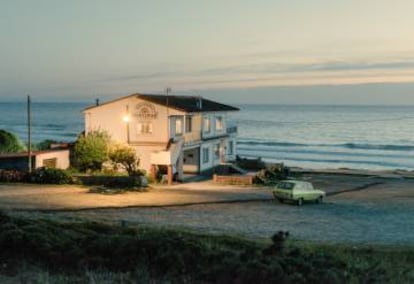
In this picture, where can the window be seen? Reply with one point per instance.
(178, 126)
(206, 154)
(217, 151)
(50, 163)
(219, 123)
(230, 149)
(286, 185)
(145, 128)
(206, 124)
(188, 124)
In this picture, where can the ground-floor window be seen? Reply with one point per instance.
(230, 150)
(206, 155)
(217, 151)
(50, 163)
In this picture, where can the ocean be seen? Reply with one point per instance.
(358, 137)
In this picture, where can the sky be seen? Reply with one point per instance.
(261, 51)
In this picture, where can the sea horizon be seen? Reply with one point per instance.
(373, 137)
(93, 102)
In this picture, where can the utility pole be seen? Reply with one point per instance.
(167, 92)
(29, 134)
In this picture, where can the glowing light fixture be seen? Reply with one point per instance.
(126, 119)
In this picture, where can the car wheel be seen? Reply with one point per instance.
(319, 200)
(300, 201)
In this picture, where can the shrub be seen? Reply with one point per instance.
(278, 243)
(45, 144)
(91, 151)
(13, 176)
(10, 143)
(123, 182)
(125, 156)
(183, 257)
(50, 176)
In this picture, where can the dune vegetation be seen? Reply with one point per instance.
(87, 252)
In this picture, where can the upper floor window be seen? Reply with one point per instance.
(188, 124)
(219, 123)
(206, 126)
(178, 126)
(145, 128)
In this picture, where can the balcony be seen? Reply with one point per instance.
(231, 130)
(194, 136)
(168, 156)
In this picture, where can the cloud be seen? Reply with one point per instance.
(143, 76)
(280, 73)
(350, 66)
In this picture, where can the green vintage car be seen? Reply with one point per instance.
(297, 191)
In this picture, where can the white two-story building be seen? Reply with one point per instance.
(185, 134)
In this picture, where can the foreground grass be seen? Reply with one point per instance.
(44, 251)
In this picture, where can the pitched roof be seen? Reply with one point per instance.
(188, 103)
(182, 103)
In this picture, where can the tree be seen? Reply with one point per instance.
(91, 151)
(126, 157)
(10, 143)
(45, 144)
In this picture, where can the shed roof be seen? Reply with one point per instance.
(33, 153)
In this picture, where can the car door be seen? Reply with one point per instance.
(299, 191)
(307, 191)
(311, 193)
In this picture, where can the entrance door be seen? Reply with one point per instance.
(191, 160)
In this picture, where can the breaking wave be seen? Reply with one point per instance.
(383, 147)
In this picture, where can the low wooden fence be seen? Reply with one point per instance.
(233, 179)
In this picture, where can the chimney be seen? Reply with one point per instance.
(200, 102)
(97, 102)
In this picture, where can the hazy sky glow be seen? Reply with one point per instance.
(77, 50)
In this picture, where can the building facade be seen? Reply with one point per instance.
(52, 158)
(182, 133)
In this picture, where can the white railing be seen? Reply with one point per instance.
(194, 136)
(167, 157)
(161, 158)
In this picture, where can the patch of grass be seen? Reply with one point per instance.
(87, 252)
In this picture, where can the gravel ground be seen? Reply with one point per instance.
(380, 214)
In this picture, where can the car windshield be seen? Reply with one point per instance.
(286, 185)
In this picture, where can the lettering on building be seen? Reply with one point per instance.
(145, 111)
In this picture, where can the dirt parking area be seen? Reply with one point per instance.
(53, 197)
(379, 211)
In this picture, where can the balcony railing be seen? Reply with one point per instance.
(169, 156)
(192, 136)
(231, 129)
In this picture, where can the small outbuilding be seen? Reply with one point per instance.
(53, 158)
